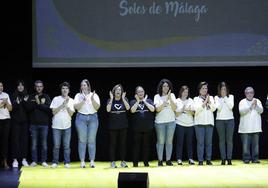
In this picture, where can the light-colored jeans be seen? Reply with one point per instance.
(87, 127)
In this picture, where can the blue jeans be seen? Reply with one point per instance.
(164, 133)
(39, 135)
(87, 127)
(204, 140)
(189, 133)
(250, 140)
(225, 129)
(65, 136)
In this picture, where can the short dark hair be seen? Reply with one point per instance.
(161, 83)
(182, 89)
(117, 86)
(220, 85)
(38, 82)
(65, 84)
(16, 90)
(200, 85)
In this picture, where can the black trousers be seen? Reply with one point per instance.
(115, 135)
(142, 142)
(19, 137)
(4, 136)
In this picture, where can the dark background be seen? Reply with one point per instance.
(17, 59)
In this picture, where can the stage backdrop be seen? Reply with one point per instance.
(144, 33)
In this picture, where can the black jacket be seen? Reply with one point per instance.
(40, 114)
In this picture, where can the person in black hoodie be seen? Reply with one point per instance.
(19, 125)
(40, 115)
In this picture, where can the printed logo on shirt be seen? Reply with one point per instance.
(118, 106)
(141, 106)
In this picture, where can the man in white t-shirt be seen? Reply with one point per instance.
(250, 110)
(63, 108)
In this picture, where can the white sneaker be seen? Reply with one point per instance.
(15, 164)
(44, 164)
(54, 165)
(113, 165)
(24, 162)
(123, 164)
(33, 164)
(82, 164)
(92, 165)
(67, 165)
(179, 161)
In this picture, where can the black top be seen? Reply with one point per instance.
(143, 119)
(118, 115)
(40, 114)
(19, 111)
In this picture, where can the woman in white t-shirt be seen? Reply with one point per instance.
(62, 108)
(250, 110)
(225, 122)
(87, 104)
(204, 107)
(184, 124)
(5, 108)
(165, 104)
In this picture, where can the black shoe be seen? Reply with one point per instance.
(200, 163)
(160, 163)
(223, 162)
(229, 162)
(246, 161)
(146, 164)
(169, 163)
(256, 161)
(209, 163)
(135, 164)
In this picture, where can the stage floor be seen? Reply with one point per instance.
(237, 175)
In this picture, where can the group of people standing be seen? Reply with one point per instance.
(183, 117)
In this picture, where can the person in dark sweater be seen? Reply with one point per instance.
(19, 125)
(40, 115)
(142, 110)
(117, 107)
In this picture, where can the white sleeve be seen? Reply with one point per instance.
(197, 105)
(243, 107)
(54, 103)
(71, 104)
(229, 101)
(259, 107)
(8, 100)
(97, 99)
(157, 101)
(212, 104)
(179, 105)
(77, 98)
(218, 103)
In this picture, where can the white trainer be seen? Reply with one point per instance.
(33, 164)
(92, 165)
(54, 165)
(67, 165)
(83, 164)
(15, 164)
(24, 162)
(44, 164)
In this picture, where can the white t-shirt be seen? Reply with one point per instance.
(87, 107)
(224, 107)
(62, 119)
(4, 113)
(167, 114)
(185, 118)
(203, 115)
(250, 120)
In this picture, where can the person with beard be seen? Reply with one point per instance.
(19, 125)
(40, 115)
